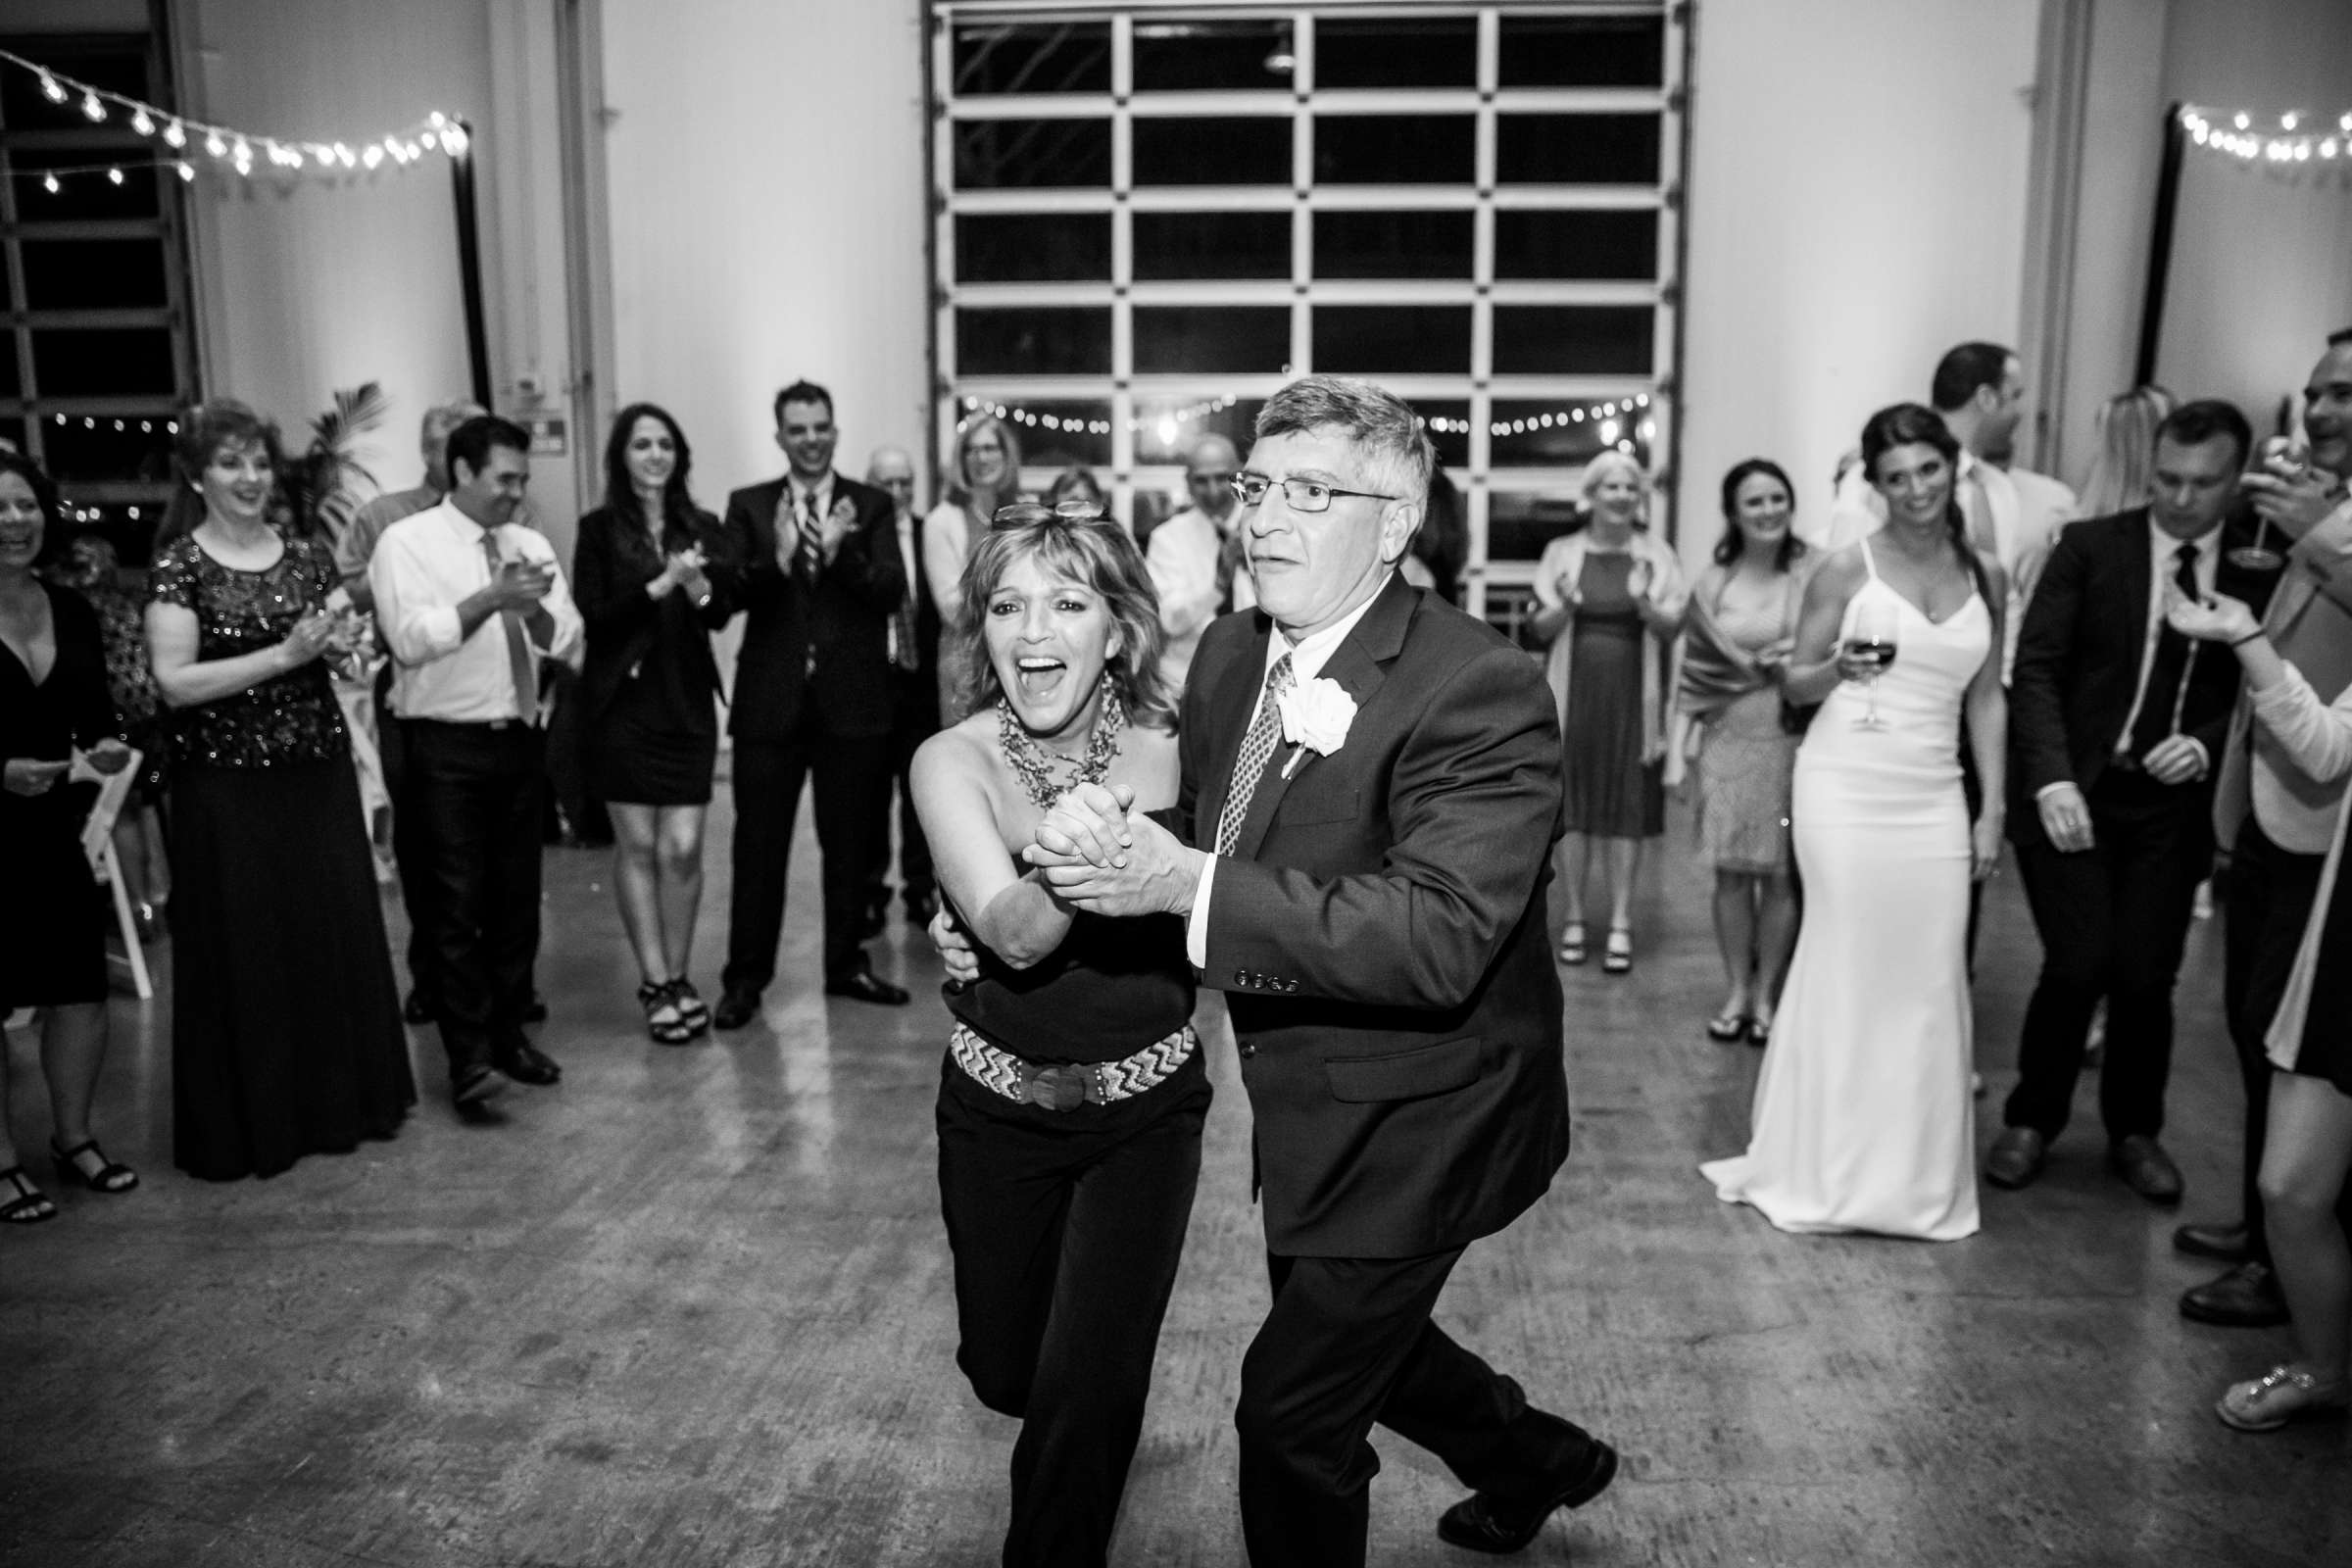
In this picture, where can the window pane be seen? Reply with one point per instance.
(1161, 437)
(1031, 153)
(1379, 340)
(1056, 436)
(1558, 433)
(1172, 339)
(1033, 247)
(1033, 57)
(107, 448)
(1211, 245)
(1520, 524)
(1221, 56)
(1398, 52)
(104, 362)
(82, 195)
(1447, 424)
(1213, 152)
(1576, 149)
(1396, 149)
(1573, 339)
(70, 274)
(1610, 245)
(1033, 342)
(1393, 244)
(1583, 51)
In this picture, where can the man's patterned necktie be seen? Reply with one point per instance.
(1257, 748)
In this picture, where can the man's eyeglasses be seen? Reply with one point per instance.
(1303, 495)
(1021, 513)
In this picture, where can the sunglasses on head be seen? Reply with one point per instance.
(1021, 513)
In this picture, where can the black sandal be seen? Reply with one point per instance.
(111, 1176)
(30, 1206)
(693, 1010)
(662, 1020)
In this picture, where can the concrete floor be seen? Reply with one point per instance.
(692, 1308)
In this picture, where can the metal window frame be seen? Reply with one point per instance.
(168, 229)
(1476, 385)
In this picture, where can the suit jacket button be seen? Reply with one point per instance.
(1241, 977)
(1247, 1051)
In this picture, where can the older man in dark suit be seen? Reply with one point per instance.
(1361, 850)
(819, 574)
(2116, 724)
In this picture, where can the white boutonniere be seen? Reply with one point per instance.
(1315, 719)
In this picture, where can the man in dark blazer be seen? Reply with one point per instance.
(1361, 850)
(2115, 726)
(818, 575)
(913, 704)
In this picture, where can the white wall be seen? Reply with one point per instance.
(1856, 207)
(766, 203)
(315, 286)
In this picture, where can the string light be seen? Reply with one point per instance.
(1605, 414)
(98, 104)
(2295, 141)
(1169, 423)
(975, 407)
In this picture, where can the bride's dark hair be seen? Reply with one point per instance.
(1916, 424)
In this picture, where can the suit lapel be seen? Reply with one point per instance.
(1358, 665)
(2133, 541)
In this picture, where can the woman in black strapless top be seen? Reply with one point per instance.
(1072, 1096)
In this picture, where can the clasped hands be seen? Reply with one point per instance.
(1096, 853)
(31, 776)
(687, 569)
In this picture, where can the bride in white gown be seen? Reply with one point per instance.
(1863, 1118)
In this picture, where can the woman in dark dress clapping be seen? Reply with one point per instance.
(53, 701)
(647, 584)
(286, 1037)
(1072, 1096)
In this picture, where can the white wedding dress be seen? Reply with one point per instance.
(1863, 1117)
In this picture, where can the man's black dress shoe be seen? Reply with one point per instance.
(863, 985)
(415, 1009)
(2246, 1298)
(736, 1008)
(2015, 1157)
(477, 1083)
(481, 1113)
(2144, 1167)
(528, 1064)
(1482, 1522)
(2224, 1243)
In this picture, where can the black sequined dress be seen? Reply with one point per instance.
(286, 1037)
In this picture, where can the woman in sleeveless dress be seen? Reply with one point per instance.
(1863, 1119)
(1737, 632)
(1072, 1096)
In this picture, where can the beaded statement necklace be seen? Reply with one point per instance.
(1035, 766)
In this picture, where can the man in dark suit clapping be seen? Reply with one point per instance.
(1361, 850)
(914, 704)
(2116, 723)
(819, 575)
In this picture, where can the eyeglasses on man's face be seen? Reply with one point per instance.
(1303, 495)
(1021, 513)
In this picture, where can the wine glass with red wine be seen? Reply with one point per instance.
(1871, 643)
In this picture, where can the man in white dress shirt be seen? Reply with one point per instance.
(1191, 557)
(469, 602)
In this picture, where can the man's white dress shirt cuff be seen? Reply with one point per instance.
(1196, 924)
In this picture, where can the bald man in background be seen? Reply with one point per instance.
(914, 702)
(1192, 561)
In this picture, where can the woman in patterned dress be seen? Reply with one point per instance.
(286, 1037)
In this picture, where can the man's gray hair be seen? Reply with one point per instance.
(1397, 457)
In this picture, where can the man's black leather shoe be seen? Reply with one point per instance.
(415, 1009)
(1485, 1523)
(735, 1010)
(477, 1083)
(481, 1113)
(528, 1064)
(863, 985)
(2224, 1243)
(2246, 1298)
(2147, 1168)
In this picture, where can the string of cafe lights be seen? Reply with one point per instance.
(2291, 138)
(183, 139)
(1168, 424)
(79, 514)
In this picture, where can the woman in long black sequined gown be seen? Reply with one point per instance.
(1072, 1096)
(286, 1037)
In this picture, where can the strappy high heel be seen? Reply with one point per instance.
(693, 1010)
(30, 1206)
(111, 1176)
(663, 1021)
(1572, 942)
(1617, 956)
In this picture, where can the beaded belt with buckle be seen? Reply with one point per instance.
(1065, 1084)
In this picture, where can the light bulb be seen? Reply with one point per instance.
(2243, 120)
(215, 146)
(1167, 432)
(114, 176)
(91, 108)
(140, 123)
(431, 142)
(187, 171)
(51, 89)
(173, 136)
(454, 140)
(49, 184)
(374, 156)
